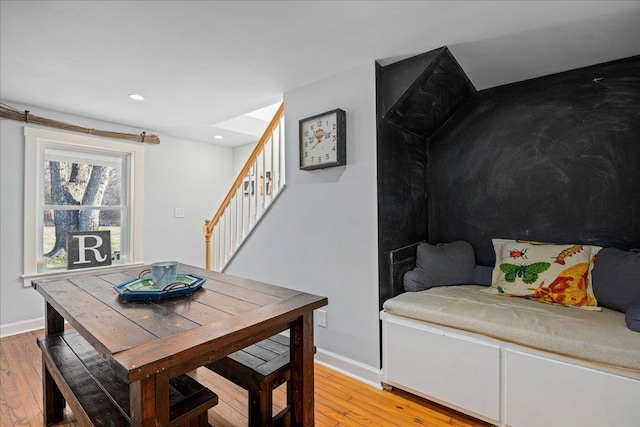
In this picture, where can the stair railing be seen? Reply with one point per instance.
(257, 185)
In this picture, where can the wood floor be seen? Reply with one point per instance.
(339, 400)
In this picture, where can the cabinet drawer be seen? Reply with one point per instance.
(541, 391)
(449, 368)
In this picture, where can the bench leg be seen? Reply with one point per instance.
(201, 420)
(286, 419)
(283, 418)
(260, 406)
(52, 400)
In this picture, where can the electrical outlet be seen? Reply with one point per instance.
(178, 213)
(322, 318)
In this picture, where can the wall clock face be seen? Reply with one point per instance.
(323, 140)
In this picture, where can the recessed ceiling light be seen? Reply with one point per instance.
(136, 97)
(218, 137)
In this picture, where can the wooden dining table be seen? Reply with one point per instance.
(149, 343)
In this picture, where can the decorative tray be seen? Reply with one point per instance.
(145, 290)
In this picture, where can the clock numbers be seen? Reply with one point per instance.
(321, 140)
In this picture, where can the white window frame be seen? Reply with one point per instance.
(35, 139)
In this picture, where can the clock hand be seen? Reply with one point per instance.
(314, 146)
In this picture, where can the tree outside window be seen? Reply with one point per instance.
(83, 191)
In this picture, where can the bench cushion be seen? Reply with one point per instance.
(597, 336)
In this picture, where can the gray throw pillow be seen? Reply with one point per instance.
(482, 275)
(442, 264)
(616, 278)
(632, 316)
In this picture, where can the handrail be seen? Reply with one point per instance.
(245, 169)
(209, 224)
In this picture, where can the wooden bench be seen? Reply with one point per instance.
(97, 396)
(260, 369)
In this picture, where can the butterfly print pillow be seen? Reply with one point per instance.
(546, 272)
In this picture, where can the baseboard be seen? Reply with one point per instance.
(21, 327)
(349, 367)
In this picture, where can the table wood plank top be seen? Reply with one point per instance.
(225, 315)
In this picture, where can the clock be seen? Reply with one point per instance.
(323, 142)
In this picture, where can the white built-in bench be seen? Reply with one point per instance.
(511, 361)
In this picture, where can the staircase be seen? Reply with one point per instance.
(258, 184)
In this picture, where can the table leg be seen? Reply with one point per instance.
(54, 322)
(52, 400)
(302, 371)
(149, 401)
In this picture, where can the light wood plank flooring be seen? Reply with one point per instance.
(340, 400)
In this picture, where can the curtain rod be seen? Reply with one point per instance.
(8, 112)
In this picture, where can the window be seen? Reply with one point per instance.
(79, 183)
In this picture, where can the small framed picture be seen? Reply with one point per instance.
(265, 184)
(245, 187)
(248, 187)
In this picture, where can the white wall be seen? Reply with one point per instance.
(240, 156)
(320, 236)
(178, 173)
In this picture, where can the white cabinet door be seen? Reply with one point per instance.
(449, 368)
(546, 392)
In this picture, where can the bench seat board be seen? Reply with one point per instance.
(97, 396)
(260, 362)
(89, 403)
(260, 368)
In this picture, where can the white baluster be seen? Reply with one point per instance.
(255, 198)
(263, 183)
(272, 143)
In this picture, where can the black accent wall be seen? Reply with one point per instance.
(554, 159)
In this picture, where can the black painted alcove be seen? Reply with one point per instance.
(555, 158)
(414, 98)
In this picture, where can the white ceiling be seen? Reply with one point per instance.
(202, 63)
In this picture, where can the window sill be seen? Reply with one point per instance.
(28, 277)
